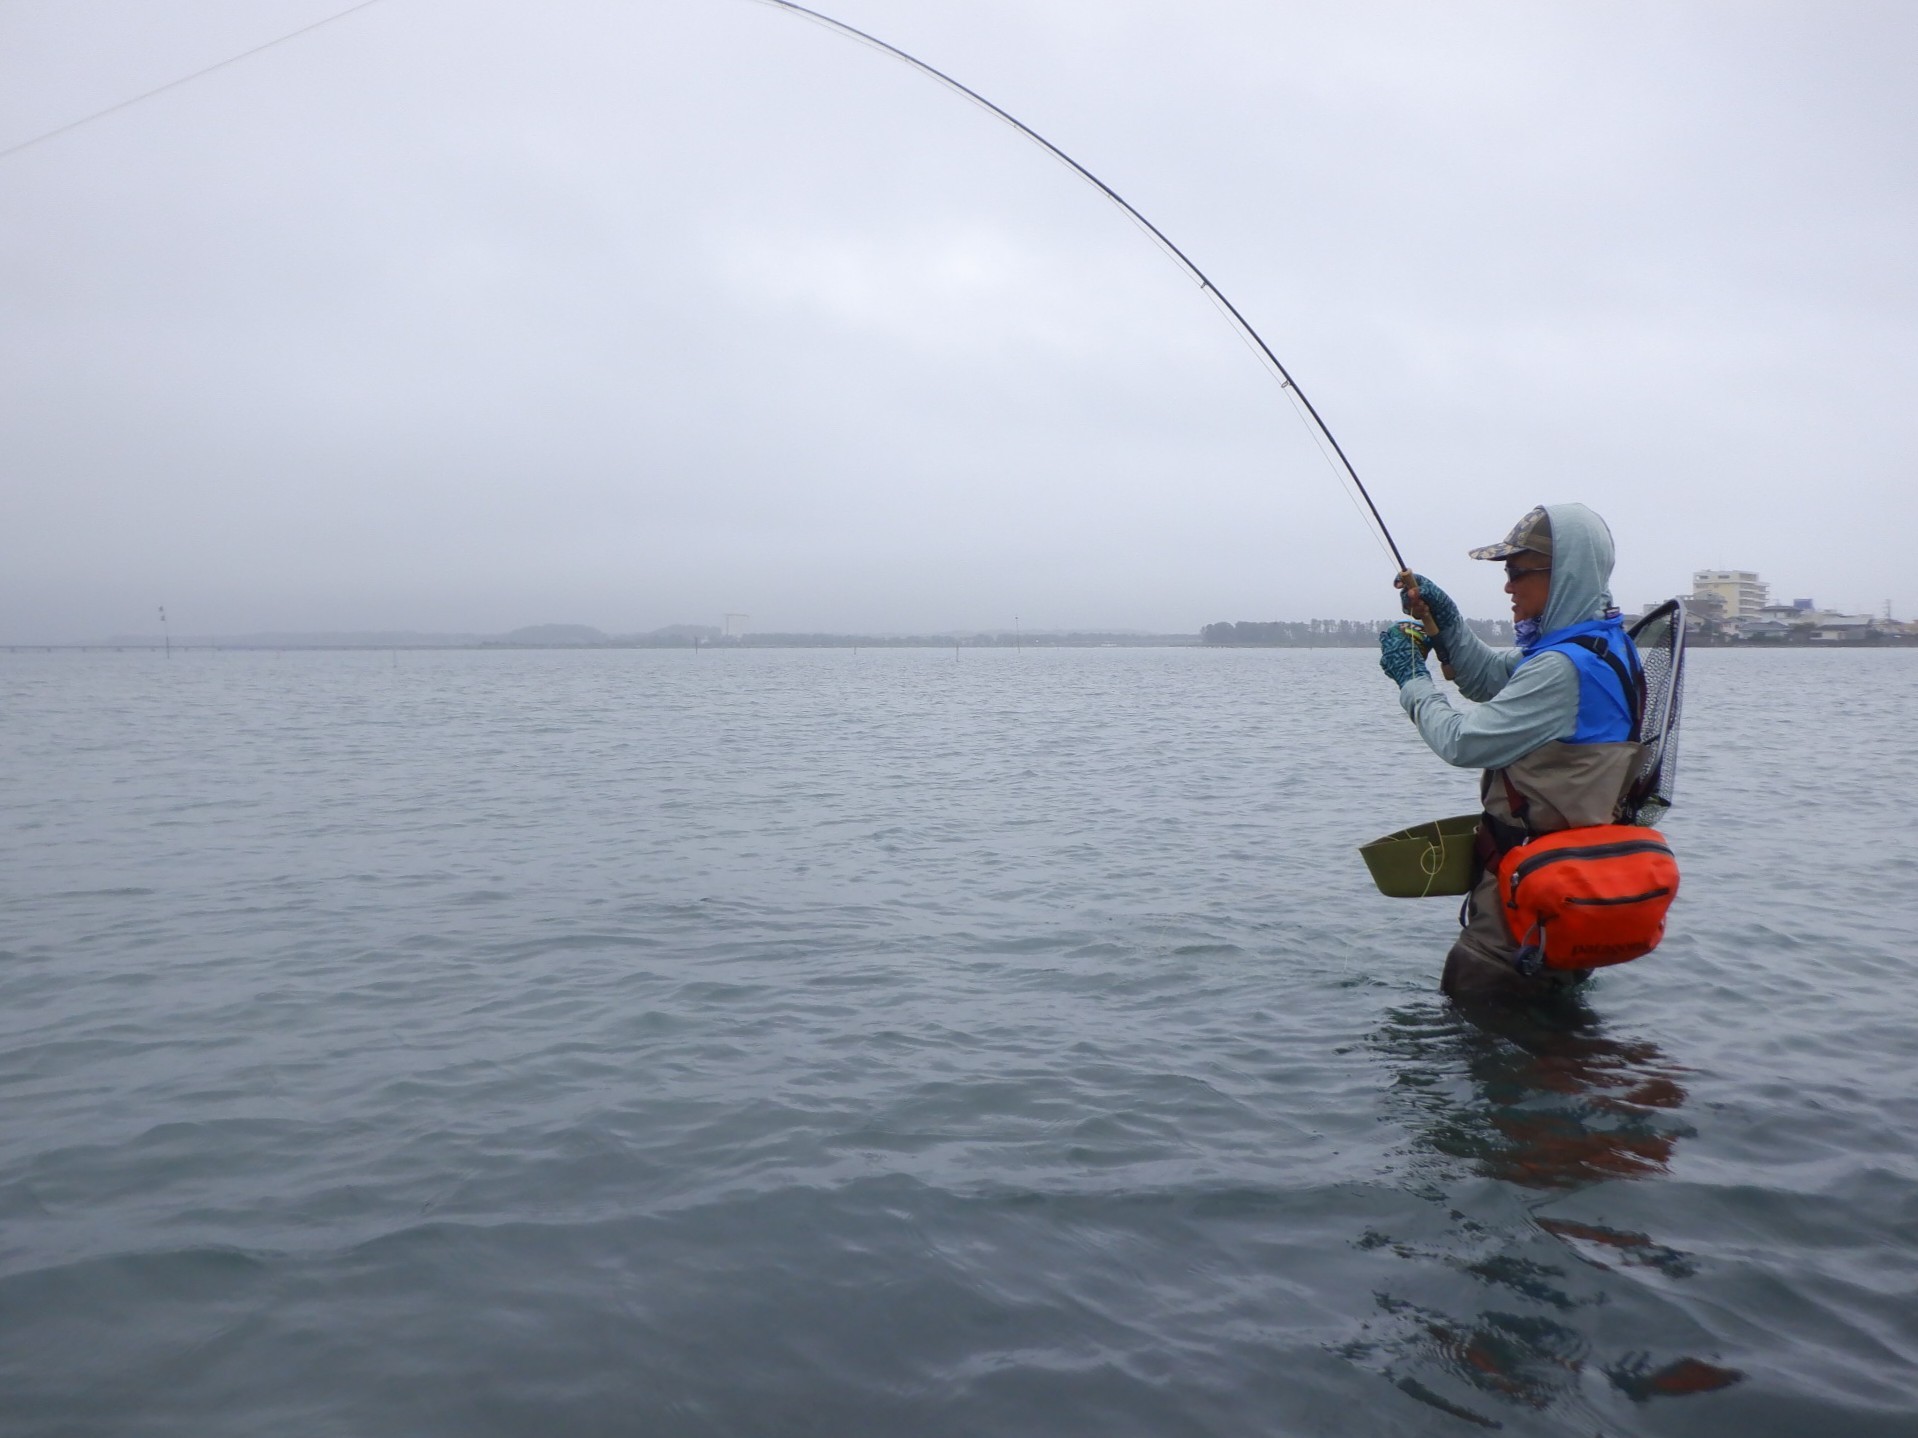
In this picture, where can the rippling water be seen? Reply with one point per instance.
(894, 1042)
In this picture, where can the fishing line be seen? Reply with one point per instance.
(1327, 442)
(115, 109)
(1322, 434)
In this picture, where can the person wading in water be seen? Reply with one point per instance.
(1554, 723)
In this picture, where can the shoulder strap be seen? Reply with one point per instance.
(1515, 801)
(1631, 679)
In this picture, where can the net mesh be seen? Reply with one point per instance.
(1660, 637)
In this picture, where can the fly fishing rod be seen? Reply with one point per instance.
(1231, 311)
(1321, 431)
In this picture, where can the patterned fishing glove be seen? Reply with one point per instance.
(1444, 611)
(1402, 651)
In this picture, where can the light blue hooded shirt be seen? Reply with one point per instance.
(1519, 709)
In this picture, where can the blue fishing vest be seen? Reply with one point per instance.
(1610, 678)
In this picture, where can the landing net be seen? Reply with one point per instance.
(1660, 637)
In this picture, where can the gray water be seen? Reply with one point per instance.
(834, 1043)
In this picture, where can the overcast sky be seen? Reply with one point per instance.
(461, 314)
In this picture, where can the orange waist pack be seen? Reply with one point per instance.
(1581, 898)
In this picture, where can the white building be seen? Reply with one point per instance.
(1842, 628)
(1740, 592)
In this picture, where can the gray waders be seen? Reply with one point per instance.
(1556, 786)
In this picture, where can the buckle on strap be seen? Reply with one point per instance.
(1530, 958)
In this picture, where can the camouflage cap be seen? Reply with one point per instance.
(1533, 533)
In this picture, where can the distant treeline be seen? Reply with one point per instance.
(1008, 640)
(1330, 633)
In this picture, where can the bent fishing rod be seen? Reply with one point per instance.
(1328, 442)
(1231, 311)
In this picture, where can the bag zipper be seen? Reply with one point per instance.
(1585, 851)
(1628, 899)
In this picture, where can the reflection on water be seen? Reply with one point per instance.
(1552, 1102)
(1545, 1103)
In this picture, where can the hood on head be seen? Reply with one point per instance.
(1582, 557)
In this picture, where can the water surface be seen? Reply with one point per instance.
(794, 1042)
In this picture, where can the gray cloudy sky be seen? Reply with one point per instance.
(461, 314)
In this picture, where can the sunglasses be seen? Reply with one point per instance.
(1513, 573)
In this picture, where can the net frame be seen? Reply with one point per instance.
(1660, 639)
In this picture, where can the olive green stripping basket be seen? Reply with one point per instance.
(1424, 860)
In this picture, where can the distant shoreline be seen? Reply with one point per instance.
(750, 641)
(1152, 641)
(1241, 634)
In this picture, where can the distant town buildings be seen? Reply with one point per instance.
(1733, 606)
